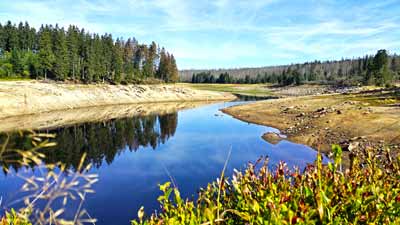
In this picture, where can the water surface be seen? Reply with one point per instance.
(133, 155)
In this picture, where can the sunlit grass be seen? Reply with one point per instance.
(243, 89)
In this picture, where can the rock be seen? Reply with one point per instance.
(272, 138)
(301, 115)
(287, 109)
(358, 138)
(353, 145)
(339, 112)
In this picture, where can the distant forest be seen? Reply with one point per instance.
(380, 69)
(75, 54)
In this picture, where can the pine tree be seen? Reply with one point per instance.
(151, 56)
(2, 40)
(73, 51)
(75, 54)
(163, 68)
(380, 68)
(174, 74)
(128, 57)
(117, 61)
(10, 37)
(46, 56)
(16, 61)
(61, 62)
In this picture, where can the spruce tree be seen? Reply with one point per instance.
(117, 61)
(10, 37)
(61, 62)
(2, 40)
(73, 51)
(75, 54)
(46, 55)
(174, 74)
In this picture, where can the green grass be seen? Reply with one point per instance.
(243, 89)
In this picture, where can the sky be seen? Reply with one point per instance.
(206, 34)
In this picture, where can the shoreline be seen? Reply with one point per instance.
(18, 98)
(354, 121)
(60, 118)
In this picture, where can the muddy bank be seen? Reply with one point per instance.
(359, 120)
(31, 97)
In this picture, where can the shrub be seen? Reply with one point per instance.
(365, 193)
(43, 193)
(14, 218)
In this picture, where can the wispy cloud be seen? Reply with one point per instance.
(230, 33)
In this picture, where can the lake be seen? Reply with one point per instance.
(133, 155)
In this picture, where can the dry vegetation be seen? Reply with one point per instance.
(366, 118)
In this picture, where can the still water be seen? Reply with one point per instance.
(133, 155)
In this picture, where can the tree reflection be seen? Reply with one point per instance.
(102, 141)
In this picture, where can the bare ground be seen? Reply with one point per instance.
(356, 120)
(32, 97)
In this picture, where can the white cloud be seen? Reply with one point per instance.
(228, 31)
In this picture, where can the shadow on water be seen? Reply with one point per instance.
(133, 155)
(246, 98)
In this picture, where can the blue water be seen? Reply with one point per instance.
(193, 155)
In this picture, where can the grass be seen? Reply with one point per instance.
(243, 89)
(378, 97)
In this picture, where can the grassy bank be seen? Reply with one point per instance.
(242, 89)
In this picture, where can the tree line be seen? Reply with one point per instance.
(75, 54)
(380, 69)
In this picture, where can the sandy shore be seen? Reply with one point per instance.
(31, 97)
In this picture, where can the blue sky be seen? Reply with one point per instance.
(230, 33)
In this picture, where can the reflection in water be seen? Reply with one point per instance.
(253, 97)
(102, 141)
(129, 170)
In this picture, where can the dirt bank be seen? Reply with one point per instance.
(369, 118)
(54, 119)
(30, 97)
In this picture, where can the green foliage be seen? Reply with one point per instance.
(14, 218)
(74, 54)
(367, 193)
(379, 72)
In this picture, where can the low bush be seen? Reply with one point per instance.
(365, 193)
